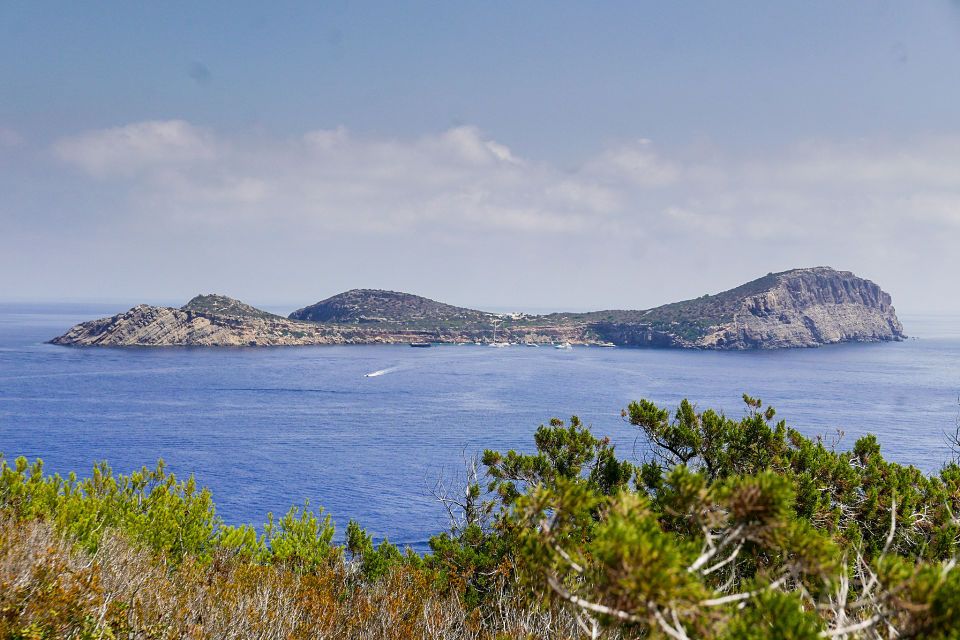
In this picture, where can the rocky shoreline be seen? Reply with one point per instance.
(797, 308)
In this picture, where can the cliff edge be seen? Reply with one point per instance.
(205, 321)
(797, 308)
(810, 307)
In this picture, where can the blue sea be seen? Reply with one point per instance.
(265, 428)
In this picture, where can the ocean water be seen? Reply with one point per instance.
(265, 428)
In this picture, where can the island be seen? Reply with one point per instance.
(798, 308)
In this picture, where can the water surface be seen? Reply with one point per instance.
(268, 427)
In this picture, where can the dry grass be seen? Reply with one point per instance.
(50, 589)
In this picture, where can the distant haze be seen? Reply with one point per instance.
(536, 155)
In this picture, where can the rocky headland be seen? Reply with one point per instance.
(797, 308)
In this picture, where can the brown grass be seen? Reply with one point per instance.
(49, 589)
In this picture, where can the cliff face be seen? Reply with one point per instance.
(145, 325)
(219, 321)
(809, 307)
(799, 308)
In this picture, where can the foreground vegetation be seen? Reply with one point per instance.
(733, 528)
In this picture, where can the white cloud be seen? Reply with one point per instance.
(468, 145)
(460, 179)
(138, 147)
(462, 197)
(635, 164)
(329, 179)
(928, 162)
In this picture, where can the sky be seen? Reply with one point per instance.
(502, 155)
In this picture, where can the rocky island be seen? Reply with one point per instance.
(797, 308)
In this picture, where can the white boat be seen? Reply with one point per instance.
(498, 345)
(530, 344)
(563, 345)
(606, 344)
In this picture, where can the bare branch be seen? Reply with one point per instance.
(676, 632)
(853, 628)
(595, 607)
(723, 563)
(893, 527)
(737, 597)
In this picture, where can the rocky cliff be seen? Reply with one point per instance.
(145, 325)
(213, 321)
(806, 308)
(798, 308)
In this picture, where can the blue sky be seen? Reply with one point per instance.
(539, 154)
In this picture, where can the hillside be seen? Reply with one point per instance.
(377, 306)
(216, 304)
(149, 326)
(796, 308)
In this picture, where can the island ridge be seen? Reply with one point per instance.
(797, 308)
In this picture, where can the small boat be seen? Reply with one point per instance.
(563, 345)
(498, 345)
(606, 344)
(530, 344)
(421, 345)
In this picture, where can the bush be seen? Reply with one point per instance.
(744, 528)
(735, 528)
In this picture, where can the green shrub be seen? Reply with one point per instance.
(301, 540)
(150, 507)
(734, 528)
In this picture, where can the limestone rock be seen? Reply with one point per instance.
(798, 308)
(809, 307)
(148, 326)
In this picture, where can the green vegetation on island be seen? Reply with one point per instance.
(732, 528)
(217, 305)
(796, 308)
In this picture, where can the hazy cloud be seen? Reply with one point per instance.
(460, 206)
(327, 179)
(9, 138)
(637, 164)
(138, 148)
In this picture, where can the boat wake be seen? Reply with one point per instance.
(381, 372)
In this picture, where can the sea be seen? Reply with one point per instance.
(367, 432)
